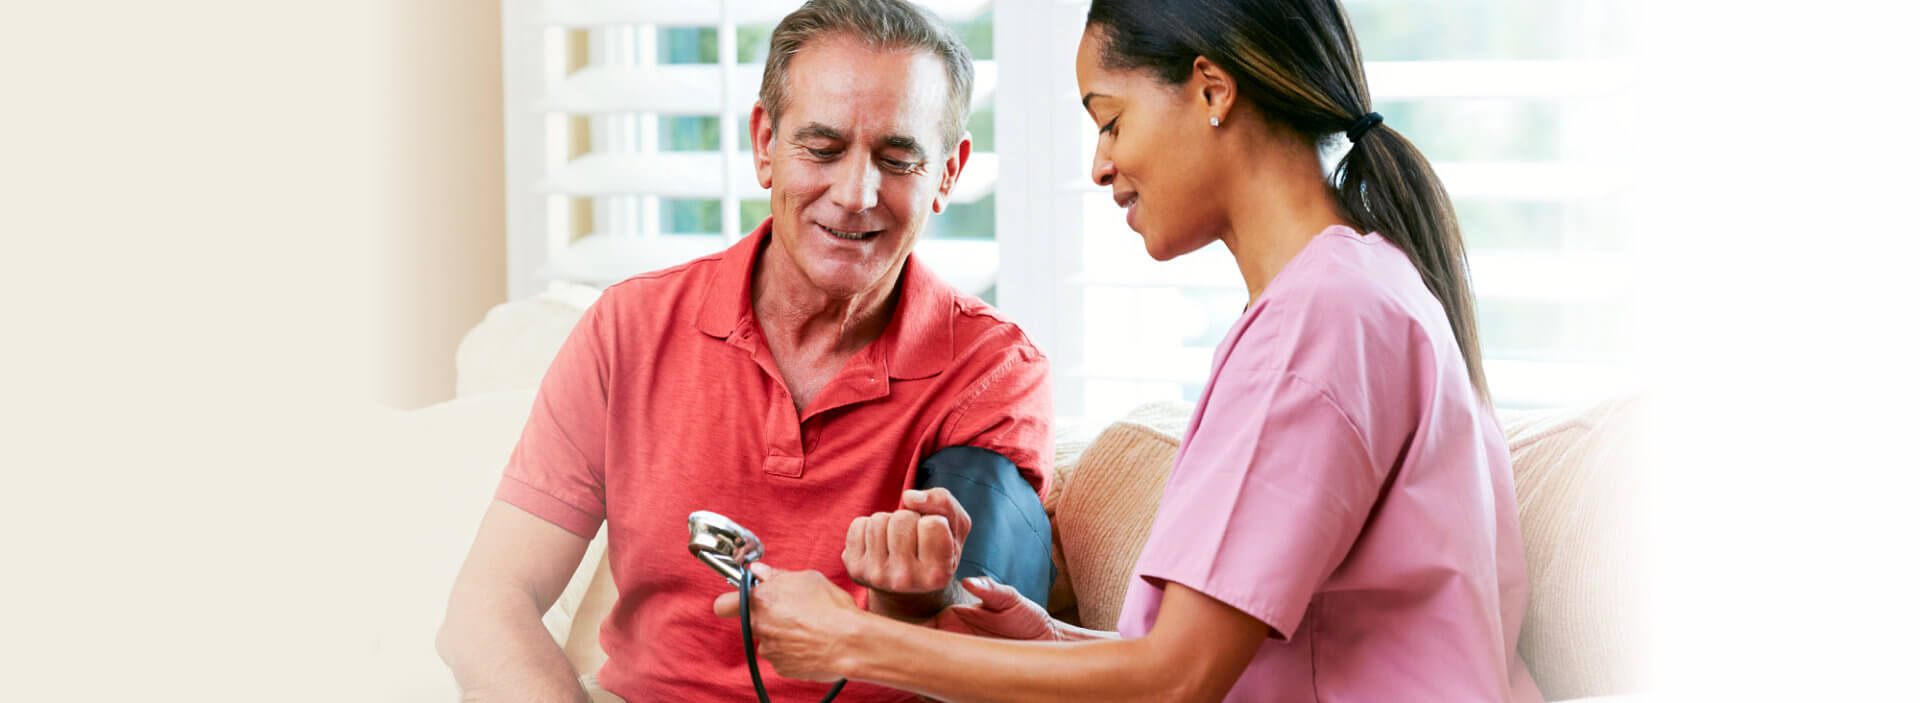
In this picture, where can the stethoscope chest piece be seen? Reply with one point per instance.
(722, 544)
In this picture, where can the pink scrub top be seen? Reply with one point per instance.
(1342, 482)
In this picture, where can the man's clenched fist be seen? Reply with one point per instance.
(907, 558)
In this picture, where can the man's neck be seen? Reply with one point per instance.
(799, 318)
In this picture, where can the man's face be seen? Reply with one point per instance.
(857, 163)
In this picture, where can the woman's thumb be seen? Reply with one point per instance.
(993, 595)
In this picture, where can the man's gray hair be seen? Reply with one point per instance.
(881, 24)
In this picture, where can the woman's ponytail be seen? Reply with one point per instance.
(1385, 185)
(1297, 61)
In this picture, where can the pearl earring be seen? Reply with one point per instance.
(1215, 121)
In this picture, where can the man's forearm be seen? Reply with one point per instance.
(914, 607)
(505, 654)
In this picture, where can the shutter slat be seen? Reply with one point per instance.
(1551, 276)
(1407, 80)
(691, 175)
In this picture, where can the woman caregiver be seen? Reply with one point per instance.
(1340, 521)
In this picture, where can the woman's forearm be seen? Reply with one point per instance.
(1076, 633)
(967, 669)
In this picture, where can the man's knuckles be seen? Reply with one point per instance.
(936, 521)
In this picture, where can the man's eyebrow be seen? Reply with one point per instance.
(815, 130)
(907, 143)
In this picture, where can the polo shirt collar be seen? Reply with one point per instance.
(917, 343)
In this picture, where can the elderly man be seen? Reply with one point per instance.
(804, 382)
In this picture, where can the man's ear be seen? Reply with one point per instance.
(1217, 88)
(950, 170)
(760, 130)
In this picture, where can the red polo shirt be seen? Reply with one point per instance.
(665, 399)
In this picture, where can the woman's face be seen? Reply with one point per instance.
(1155, 151)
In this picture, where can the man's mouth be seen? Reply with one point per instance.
(850, 235)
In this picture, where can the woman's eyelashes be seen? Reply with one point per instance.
(1108, 127)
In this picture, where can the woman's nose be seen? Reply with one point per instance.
(1103, 170)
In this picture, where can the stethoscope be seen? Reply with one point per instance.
(728, 548)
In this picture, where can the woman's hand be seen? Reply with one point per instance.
(1002, 612)
(801, 621)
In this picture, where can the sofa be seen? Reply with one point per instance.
(1576, 471)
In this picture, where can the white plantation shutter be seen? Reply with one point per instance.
(626, 155)
(1516, 102)
(626, 138)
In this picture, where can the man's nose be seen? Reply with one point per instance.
(856, 185)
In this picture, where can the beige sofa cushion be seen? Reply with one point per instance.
(1579, 483)
(514, 344)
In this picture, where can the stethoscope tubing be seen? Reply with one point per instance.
(746, 640)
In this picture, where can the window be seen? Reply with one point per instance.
(627, 152)
(627, 138)
(1518, 104)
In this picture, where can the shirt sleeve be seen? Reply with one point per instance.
(1010, 411)
(557, 470)
(1268, 499)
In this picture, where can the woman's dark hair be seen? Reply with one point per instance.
(1298, 62)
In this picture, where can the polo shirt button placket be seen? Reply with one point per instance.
(785, 457)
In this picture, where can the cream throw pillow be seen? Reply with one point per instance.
(1105, 508)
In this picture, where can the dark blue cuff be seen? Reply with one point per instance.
(1011, 539)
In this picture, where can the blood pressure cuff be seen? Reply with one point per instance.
(1011, 539)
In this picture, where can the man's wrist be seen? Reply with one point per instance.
(913, 606)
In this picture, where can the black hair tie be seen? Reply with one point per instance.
(1361, 126)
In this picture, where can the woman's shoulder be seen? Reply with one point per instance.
(1352, 288)
(1350, 315)
(1342, 271)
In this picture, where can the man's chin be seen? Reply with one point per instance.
(844, 284)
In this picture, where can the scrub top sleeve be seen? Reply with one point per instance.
(557, 469)
(1268, 498)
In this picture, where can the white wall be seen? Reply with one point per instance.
(449, 260)
(227, 229)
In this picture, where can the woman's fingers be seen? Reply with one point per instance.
(993, 595)
(727, 605)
